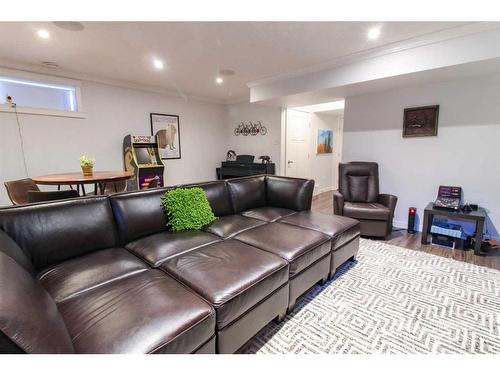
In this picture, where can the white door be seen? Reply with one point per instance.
(297, 144)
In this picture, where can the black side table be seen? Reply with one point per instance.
(478, 216)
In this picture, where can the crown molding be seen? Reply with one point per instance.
(387, 49)
(66, 74)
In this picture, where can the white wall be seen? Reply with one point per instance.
(269, 144)
(466, 151)
(324, 167)
(54, 144)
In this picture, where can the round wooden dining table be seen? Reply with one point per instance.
(98, 179)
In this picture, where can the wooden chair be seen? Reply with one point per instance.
(18, 190)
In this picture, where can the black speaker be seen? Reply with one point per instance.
(412, 213)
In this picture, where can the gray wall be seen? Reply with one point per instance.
(466, 151)
(54, 144)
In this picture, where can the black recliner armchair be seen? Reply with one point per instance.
(358, 197)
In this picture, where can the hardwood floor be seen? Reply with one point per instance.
(400, 237)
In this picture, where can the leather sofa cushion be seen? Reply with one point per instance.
(292, 193)
(56, 231)
(29, 318)
(247, 193)
(138, 214)
(228, 226)
(299, 246)
(231, 275)
(76, 276)
(268, 214)
(218, 196)
(147, 312)
(159, 247)
(368, 211)
(340, 228)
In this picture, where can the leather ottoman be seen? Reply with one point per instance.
(235, 279)
(343, 231)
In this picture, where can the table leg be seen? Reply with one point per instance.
(426, 227)
(479, 237)
(83, 190)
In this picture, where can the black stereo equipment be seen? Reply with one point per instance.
(412, 213)
(448, 198)
(447, 241)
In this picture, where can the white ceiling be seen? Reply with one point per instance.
(194, 52)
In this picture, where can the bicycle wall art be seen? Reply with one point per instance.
(250, 128)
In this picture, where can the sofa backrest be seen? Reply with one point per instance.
(52, 232)
(358, 181)
(29, 319)
(218, 196)
(292, 193)
(138, 213)
(247, 192)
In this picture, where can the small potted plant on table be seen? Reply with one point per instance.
(87, 165)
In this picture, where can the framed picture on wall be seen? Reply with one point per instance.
(324, 141)
(166, 128)
(421, 121)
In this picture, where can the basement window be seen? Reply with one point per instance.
(42, 97)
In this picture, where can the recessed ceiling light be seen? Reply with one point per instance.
(44, 34)
(373, 33)
(158, 64)
(219, 80)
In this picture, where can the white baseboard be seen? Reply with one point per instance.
(322, 190)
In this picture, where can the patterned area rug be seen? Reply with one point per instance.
(393, 300)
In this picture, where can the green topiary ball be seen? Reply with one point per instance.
(187, 209)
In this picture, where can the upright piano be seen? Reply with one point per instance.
(243, 166)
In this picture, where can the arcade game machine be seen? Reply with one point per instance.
(141, 157)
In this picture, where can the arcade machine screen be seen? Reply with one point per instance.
(143, 155)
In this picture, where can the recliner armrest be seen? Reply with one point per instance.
(338, 203)
(389, 201)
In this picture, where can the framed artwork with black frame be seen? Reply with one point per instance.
(166, 129)
(421, 121)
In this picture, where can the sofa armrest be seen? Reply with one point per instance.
(389, 201)
(338, 203)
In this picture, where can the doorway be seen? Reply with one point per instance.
(302, 157)
(297, 144)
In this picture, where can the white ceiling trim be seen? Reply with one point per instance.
(423, 40)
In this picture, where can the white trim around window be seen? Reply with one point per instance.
(44, 80)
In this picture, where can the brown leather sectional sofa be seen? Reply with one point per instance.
(104, 275)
